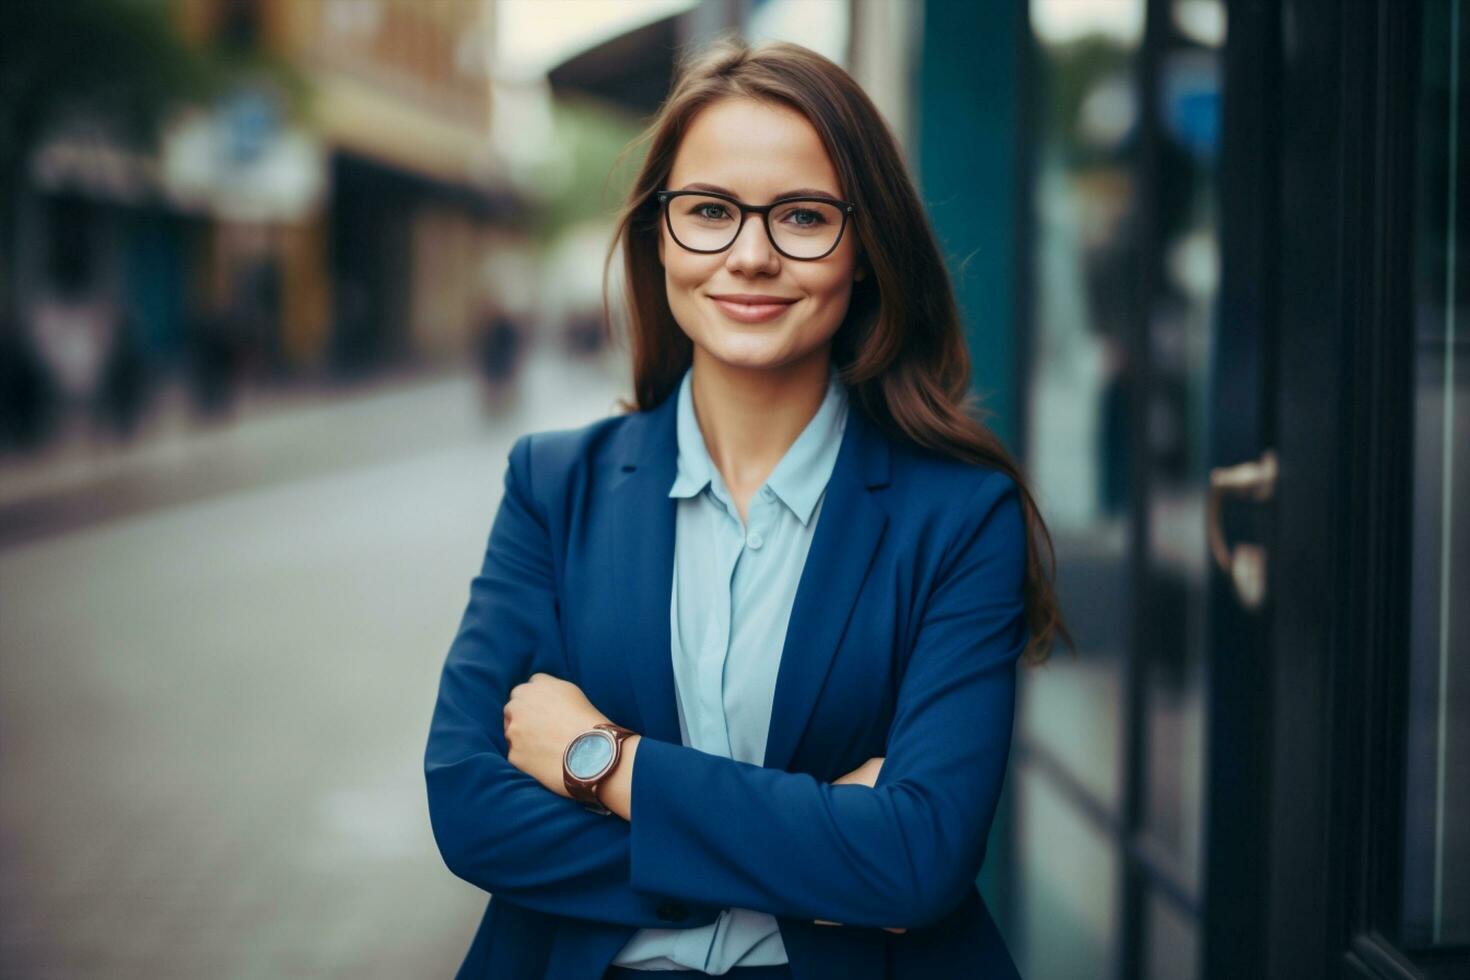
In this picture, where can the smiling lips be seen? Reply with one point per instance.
(752, 309)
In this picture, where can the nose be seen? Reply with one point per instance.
(752, 252)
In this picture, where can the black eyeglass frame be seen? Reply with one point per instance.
(764, 210)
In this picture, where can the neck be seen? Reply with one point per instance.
(750, 416)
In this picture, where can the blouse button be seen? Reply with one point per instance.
(755, 540)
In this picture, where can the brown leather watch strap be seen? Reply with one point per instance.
(584, 791)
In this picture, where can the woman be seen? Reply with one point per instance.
(794, 580)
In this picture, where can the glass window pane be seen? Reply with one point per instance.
(1181, 325)
(1436, 885)
(1077, 447)
(1068, 907)
(1172, 941)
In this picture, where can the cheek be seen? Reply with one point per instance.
(682, 282)
(828, 295)
(679, 287)
(686, 275)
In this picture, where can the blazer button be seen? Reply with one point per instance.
(671, 912)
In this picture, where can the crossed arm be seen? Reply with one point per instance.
(617, 795)
(900, 853)
(546, 713)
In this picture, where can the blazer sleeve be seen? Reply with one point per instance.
(495, 826)
(727, 833)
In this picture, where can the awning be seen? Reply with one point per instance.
(633, 70)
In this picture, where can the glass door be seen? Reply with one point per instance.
(1109, 788)
(1435, 911)
(1247, 421)
(1367, 867)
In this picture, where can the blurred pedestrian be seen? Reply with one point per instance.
(499, 348)
(72, 332)
(27, 396)
(498, 357)
(126, 379)
(213, 360)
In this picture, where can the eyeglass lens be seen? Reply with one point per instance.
(801, 228)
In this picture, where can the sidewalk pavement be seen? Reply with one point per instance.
(273, 437)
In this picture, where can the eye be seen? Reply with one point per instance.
(702, 209)
(807, 216)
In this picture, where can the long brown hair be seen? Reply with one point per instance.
(901, 349)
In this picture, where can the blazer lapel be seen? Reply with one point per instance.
(849, 529)
(642, 517)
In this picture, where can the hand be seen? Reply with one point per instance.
(541, 717)
(864, 775)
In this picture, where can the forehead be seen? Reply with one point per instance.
(756, 150)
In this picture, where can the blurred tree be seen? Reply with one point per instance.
(591, 139)
(1073, 71)
(121, 65)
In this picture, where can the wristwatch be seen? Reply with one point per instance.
(589, 759)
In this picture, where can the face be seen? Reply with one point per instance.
(756, 152)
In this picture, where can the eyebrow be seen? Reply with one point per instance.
(794, 192)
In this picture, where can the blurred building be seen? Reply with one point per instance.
(1207, 255)
(386, 265)
(329, 214)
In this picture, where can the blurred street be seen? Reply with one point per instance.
(218, 692)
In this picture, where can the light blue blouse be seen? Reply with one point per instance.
(734, 585)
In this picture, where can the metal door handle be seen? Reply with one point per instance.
(1245, 564)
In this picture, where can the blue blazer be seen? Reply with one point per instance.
(903, 641)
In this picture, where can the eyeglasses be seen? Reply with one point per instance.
(804, 228)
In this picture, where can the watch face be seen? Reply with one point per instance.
(590, 754)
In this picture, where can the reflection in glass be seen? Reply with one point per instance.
(1094, 330)
(1069, 916)
(1173, 941)
(1181, 324)
(1077, 441)
(1083, 261)
(1436, 886)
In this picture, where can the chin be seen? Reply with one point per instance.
(747, 360)
(756, 360)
